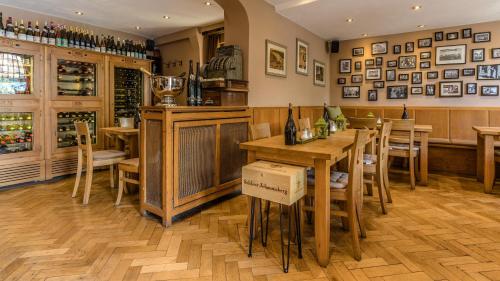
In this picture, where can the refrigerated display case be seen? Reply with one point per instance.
(16, 132)
(66, 133)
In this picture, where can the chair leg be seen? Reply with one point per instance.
(251, 235)
(78, 173)
(353, 228)
(387, 185)
(380, 186)
(121, 183)
(88, 182)
(369, 186)
(111, 176)
(412, 173)
(359, 219)
(417, 167)
(344, 220)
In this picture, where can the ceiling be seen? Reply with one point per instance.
(327, 18)
(125, 15)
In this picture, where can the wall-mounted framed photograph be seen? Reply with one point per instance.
(372, 95)
(466, 33)
(477, 55)
(358, 52)
(451, 73)
(488, 72)
(397, 92)
(416, 77)
(341, 81)
(495, 53)
(392, 63)
(351, 92)
(407, 62)
(276, 59)
(390, 75)
(471, 88)
(452, 89)
(417, 90)
(396, 49)
(378, 84)
(425, 64)
(302, 57)
(481, 37)
(409, 47)
(357, 66)
(425, 55)
(468, 72)
(379, 48)
(489, 90)
(438, 36)
(373, 73)
(379, 61)
(357, 78)
(452, 36)
(432, 75)
(430, 90)
(454, 54)
(424, 43)
(319, 75)
(345, 66)
(369, 62)
(404, 77)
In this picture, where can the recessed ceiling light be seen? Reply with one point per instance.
(166, 17)
(416, 7)
(364, 34)
(349, 20)
(208, 3)
(79, 13)
(420, 26)
(137, 27)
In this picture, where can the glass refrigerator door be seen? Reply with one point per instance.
(16, 74)
(75, 78)
(66, 134)
(128, 92)
(16, 132)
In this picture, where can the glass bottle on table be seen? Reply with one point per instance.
(327, 118)
(290, 128)
(405, 112)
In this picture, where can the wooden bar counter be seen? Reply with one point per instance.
(190, 156)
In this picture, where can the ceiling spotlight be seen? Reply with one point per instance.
(420, 26)
(208, 3)
(416, 7)
(137, 27)
(79, 13)
(364, 34)
(349, 20)
(166, 17)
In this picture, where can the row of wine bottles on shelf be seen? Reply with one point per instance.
(71, 37)
(15, 127)
(70, 140)
(76, 115)
(16, 138)
(15, 117)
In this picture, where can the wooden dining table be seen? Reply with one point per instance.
(123, 137)
(320, 154)
(422, 135)
(486, 155)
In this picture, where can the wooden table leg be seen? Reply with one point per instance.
(251, 157)
(322, 210)
(424, 156)
(480, 158)
(489, 163)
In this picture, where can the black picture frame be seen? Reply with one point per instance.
(396, 49)
(493, 70)
(469, 72)
(430, 90)
(477, 55)
(340, 66)
(341, 81)
(466, 33)
(358, 52)
(478, 39)
(425, 55)
(438, 36)
(358, 66)
(471, 88)
(416, 77)
(452, 36)
(357, 78)
(407, 62)
(451, 74)
(378, 77)
(372, 95)
(378, 84)
(403, 77)
(357, 92)
(424, 43)
(379, 52)
(390, 77)
(369, 62)
(495, 53)
(409, 47)
(441, 60)
(397, 92)
(425, 64)
(417, 91)
(392, 63)
(379, 61)
(484, 93)
(431, 75)
(442, 83)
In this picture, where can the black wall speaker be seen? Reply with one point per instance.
(335, 46)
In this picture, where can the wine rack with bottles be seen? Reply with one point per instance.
(16, 74)
(76, 78)
(16, 132)
(66, 133)
(128, 92)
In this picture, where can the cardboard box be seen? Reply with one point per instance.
(279, 183)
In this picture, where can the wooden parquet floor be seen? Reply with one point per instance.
(447, 231)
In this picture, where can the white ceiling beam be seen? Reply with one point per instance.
(292, 4)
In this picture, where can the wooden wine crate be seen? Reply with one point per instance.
(280, 183)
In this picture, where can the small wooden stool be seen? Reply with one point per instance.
(126, 167)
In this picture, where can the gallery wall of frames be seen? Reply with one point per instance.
(449, 66)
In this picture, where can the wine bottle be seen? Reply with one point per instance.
(191, 85)
(327, 118)
(64, 37)
(16, 30)
(92, 41)
(199, 100)
(118, 47)
(88, 45)
(45, 34)
(58, 36)
(290, 129)
(9, 29)
(52, 34)
(71, 38)
(36, 33)
(29, 32)
(103, 44)
(2, 28)
(97, 46)
(405, 112)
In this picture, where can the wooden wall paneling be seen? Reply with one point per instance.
(461, 122)
(348, 111)
(494, 117)
(269, 115)
(283, 117)
(396, 112)
(453, 159)
(363, 112)
(439, 118)
(311, 112)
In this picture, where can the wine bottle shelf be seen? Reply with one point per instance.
(66, 134)
(76, 78)
(128, 92)
(15, 74)
(16, 133)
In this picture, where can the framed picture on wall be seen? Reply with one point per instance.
(357, 78)
(276, 59)
(390, 75)
(319, 75)
(397, 92)
(341, 81)
(425, 43)
(373, 73)
(425, 55)
(379, 48)
(451, 89)
(451, 73)
(350, 92)
(358, 52)
(345, 66)
(425, 64)
(438, 36)
(416, 77)
(379, 61)
(302, 57)
(495, 53)
(477, 54)
(417, 90)
(407, 62)
(432, 75)
(372, 95)
(452, 36)
(357, 66)
(454, 54)
(488, 72)
(369, 62)
(430, 90)
(404, 77)
(471, 88)
(489, 90)
(378, 84)
(466, 33)
(396, 49)
(468, 72)
(481, 37)
(392, 63)
(409, 47)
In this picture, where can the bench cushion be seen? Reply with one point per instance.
(338, 180)
(369, 159)
(402, 146)
(108, 154)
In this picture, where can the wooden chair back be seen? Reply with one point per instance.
(304, 123)
(260, 131)
(403, 131)
(383, 145)
(83, 138)
(362, 123)
(355, 185)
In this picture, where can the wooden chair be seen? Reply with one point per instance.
(260, 131)
(346, 189)
(93, 159)
(375, 166)
(402, 144)
(125, 168)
